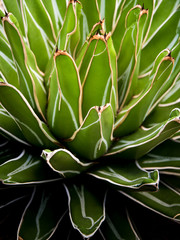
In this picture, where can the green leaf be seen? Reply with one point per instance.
(128, 61)
(156, 85)
(18, 165)
(56, 10)
(64, 107)
(126, 174)
(43, 213)
(64, 162)
(93, 138)
(30, 79)
(14, 7)
(165, 158)
(91, 15)
(39, 31)
(144, 139)
(118, 223)
(70, 25)
(35, 131)
(121, 10)
(9, 127)
(7, 66)
(165, 201)
(98, 72)
(87, 207)
(165, 20)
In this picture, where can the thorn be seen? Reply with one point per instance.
(169, 55)
(143, 6)
(6, 13)
(56, 48)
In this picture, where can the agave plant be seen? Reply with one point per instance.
(89, 119)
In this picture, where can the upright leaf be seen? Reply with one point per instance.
(64, 106)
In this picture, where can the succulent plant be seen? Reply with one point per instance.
(89, 119)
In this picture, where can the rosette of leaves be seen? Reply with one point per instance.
(89, 118)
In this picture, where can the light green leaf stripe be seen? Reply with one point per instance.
(144, 139)
(93, 138)
(84, 217)
(30, 79)
(129, 175)
(64, 162)
(168, 206)
(143, 103)
(64, 107)
(34, 130)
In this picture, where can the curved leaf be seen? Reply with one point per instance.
(9, 127)
(144, 139)
(165, 158)
(64, 162)
(165, 201)
(34, 130)
(18, 165)
(157, 84)
(43, 213)
(124, 174)
(84, 216)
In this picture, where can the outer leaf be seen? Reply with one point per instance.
(7, 66)
(166, 158)
(9, 127)
(164, 202)
(43, 212)
(157, 84)
(93, 138)
(84, 216)
(19, 166)
(64, 162)
(118, 223)
(31, 82)
(64, 107)
(124, 174)
(34, 130)
(142, 141)
(98, 72)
